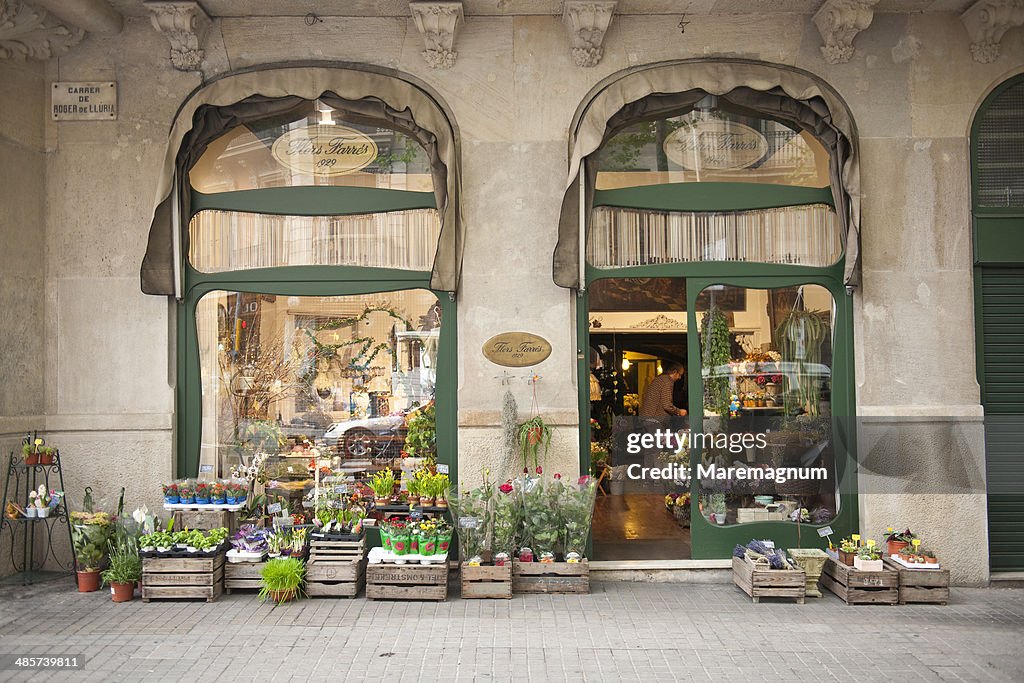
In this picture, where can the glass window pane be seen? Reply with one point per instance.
(222, 241)
(767, 369)
(1000, 164)
(719, 144)
(803, 235)
(314, 147)
(343, 372)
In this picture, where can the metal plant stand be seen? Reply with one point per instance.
(32, 538)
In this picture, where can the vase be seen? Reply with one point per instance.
(812, 561)
(88, 581)
(122, 592)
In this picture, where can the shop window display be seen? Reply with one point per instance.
(309, 387)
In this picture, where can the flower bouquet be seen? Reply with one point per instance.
(473, 516)
(542, 522)
(508, 519)
(576, 505)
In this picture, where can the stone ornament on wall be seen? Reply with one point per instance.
(185, 24)
(986, 22)
(587, 23)
(659, 322)
(839, 22)
(438, 22)
(30, 33)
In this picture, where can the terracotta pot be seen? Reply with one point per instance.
(283, 595)
(32, 459)
(89, 582)
(441, 503)
(414, 501)
(46, 458)
(122, 592)
(894, 547)
(846, 558)
(533, 436)
(426, 502)
(931, 560)
(381, 501)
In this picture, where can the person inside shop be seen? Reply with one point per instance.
(657, 401)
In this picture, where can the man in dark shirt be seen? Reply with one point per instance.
(657, 399)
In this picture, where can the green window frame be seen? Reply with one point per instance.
(305, 281)
(710, 541)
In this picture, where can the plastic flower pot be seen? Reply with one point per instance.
(42, 512)
(171, 500)
(30, 512)
(89, 582)
(400, 544)
(443, 541)
(414, 545)
(385, 539)
(202, 501)
(122, 592)
(428, 546)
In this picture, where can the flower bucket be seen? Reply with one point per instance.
(231, 501)
(187, 500)
(385, 539)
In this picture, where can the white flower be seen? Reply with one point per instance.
(140, 514)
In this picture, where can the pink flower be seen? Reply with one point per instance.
(584, 480)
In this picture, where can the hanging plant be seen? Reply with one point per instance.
(714, 334)
(532, 434)
(800, 337)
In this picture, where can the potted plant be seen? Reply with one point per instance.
(868, 558)
(532, 434)
(383, 485)
(847, 551)
(187, 492)
(281, 579)
(47, 455)
(218, 496)
(895, 541)
(125, 569)
(30, 451)
(90, 532)
(202, 493)
(171, 493)
(718, 507)
(441, 485)
(413, 488)
(39, 501)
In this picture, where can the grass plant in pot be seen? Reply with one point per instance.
(281, 579)
(125, 569)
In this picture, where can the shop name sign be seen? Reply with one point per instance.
(715, 145)
(325, 150)
(89, 101)
(516, 349)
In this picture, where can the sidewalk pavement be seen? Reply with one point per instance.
(621, 631)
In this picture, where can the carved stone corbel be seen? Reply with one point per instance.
(839, 22)
(587, 23)
(438, 22)
(29, 33)
(986, 22)
(185, 24)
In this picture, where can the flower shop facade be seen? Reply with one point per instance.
(714, 189)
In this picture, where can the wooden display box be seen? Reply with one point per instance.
(178, 577)
(204, 520)
(769, 583)
(859, 587)
(487, 582)
(336, 569)
(921, 585)
(243, 575)
(550, 577)
(407, 581)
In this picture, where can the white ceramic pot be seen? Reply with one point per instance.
(42, 512)
(30, 512)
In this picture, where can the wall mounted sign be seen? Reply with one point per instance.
(516, 349)
(324, 150)
(88, 101)
(715, 145)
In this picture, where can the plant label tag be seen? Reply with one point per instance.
(442, 468)
(416, 513)
(274, 507)
(205, 468)
(469, 522)
(825, 531)
(769, 544)
(341, 489)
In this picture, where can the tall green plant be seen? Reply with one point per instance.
(714, 334)
(421, 437)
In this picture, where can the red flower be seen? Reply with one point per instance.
(584, 480)
(506, 487)
(526, 470)
(557, 475)
(540, 470)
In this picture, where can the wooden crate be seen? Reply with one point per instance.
(243, 575)
(336, 569)
(182, 578)
(921, 585)
(550, 577)
(204, 520)
(487, 581)
(769, 583)
(856, 587)
(407, 581)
